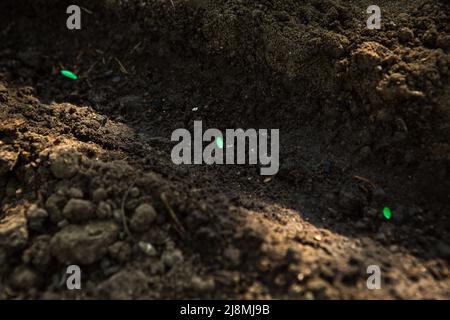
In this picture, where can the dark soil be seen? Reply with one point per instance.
(86, 176)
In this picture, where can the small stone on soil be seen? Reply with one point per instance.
(13, 232)
(147, 248)
(64, 165)
(104, 210)
(99, 195)
(126, 284)
(53, 205)
(121, 251)
(84, 244)
(75, 193)
(7, 160)
(203, 284)
(36, 217)
(24, 278)
(134, 192)
(143, 217)
(405, 35)
(172, 257)
(78, 210)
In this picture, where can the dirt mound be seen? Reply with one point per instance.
(86, 176)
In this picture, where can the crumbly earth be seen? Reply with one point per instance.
(86, 176)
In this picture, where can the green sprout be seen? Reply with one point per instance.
(387, 213)
(69, 74)
(219, 142)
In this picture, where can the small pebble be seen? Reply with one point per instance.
(78, 210)
(99, 195)
(172, 257)
(147, 248)
(36, 217)
(143, 217)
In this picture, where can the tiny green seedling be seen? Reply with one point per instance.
(69, 74)
(219, 142)
(387, 213)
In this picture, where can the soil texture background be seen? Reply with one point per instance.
(86, 176)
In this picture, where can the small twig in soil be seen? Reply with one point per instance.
(90, 69)
(122, 212)
(373, 185)
(332, 210)
(15, 160)
(178, 226)
(86, 10)
(136, 46)
(122, 68)
(79, 56)
(160, 139)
